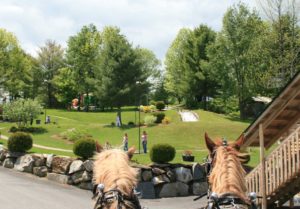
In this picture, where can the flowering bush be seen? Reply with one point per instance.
(187, 153)
(166, 120)
(147, 109)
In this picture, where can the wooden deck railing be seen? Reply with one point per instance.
(281, 165)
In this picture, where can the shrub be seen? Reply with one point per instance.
(150, 120)
(159, 116)
(160, 105)
(13, 129)
(166, 120)
(112, 124)
(162, 153)
(74, 134)
(19, 142)
(84, 148)
(38, 130)
(130, 123)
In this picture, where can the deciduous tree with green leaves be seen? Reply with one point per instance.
(50, 60)
(15, 66)
(82, 55)
(237, 55)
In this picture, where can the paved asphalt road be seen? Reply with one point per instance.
(25, 191)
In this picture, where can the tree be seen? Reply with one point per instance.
(83, 58)
(185, 76)
(65, 86)
(22, 111)
(178, 61)
(204, 85)
(14, 66)
(283, 40)
(237, 57)
(50, 60)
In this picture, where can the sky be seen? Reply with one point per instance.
(151, 24)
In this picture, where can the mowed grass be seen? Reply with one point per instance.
(181, 135)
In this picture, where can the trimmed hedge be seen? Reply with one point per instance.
(84, 148)
(162, 153)
(160, 105)
(19, 142)
(159, 116)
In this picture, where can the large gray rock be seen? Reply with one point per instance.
(24, 163)
(171, 175)
(40, 171)
(183, 174)
(158, 171)
(147, 175)
(139, 174)
(77, 177)
(76, 165)
(174, 190)
(39, 160)
(87, 176)
(146, 189)
(200, 188)
(86, 185)
(8, 163)
(198, 172)
(88, 165)
(49, 160)
(3, 154)
(160, 179)
(59, 178)
(61, 165)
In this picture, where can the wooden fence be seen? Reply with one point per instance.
(281, 166)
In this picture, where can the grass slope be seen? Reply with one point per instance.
(183, 136)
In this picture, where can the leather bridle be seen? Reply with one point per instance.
(215, 202)
(114, 195)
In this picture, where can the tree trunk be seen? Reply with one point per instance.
(87, 103)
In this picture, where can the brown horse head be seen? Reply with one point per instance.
(227, 175)
(113, 172)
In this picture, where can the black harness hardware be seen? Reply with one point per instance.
(110, 196)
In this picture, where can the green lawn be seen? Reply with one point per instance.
(179, 134)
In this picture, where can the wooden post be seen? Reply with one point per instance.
(263, 169)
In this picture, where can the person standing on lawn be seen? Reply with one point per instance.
(125, 142)
(144, 141)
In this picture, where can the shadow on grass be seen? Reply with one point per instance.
(32, 130)
(123, 127)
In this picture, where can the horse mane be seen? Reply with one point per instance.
(111, 168)
(228, 175)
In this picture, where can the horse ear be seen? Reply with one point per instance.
(240, 142)
(130, 152)
(99, 148)
(209, 143)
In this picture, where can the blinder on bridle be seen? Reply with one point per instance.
(106, 198)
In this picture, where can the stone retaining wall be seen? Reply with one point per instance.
(157, 180)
